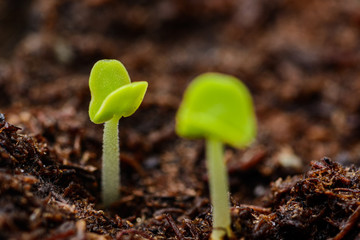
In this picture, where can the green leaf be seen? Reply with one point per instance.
(217, 106)
(112, 93)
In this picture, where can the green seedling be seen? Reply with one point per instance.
(112, 96)
(219, 108)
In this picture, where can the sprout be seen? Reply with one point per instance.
(112, 96)
(219, 108)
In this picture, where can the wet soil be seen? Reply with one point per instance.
(299, 180)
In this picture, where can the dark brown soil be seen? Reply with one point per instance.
(300, 60)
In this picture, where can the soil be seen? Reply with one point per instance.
(299, 180)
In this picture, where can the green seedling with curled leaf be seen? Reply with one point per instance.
(112, 96)
(219, 108)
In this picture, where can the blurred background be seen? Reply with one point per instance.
(300, 60)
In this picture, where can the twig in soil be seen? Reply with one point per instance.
(80, 171)
(193, 230)
(173, 225)
(168, 210)
(258, 209)
(199, 202)
(347, 190)
(249, 162)
(353, 219)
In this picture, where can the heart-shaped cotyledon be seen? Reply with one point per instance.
(112, 93)
(112, 96)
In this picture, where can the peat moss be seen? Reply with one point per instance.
(40, 197)
(323, 203)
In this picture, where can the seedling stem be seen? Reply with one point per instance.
(111, 164)
(218, 188)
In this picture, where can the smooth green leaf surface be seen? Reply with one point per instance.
(130, 96)
(112, 93)
(217, 106)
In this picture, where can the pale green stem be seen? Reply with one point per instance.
(110, 162)
(219, 192)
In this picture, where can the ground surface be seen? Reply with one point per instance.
(300, 60)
